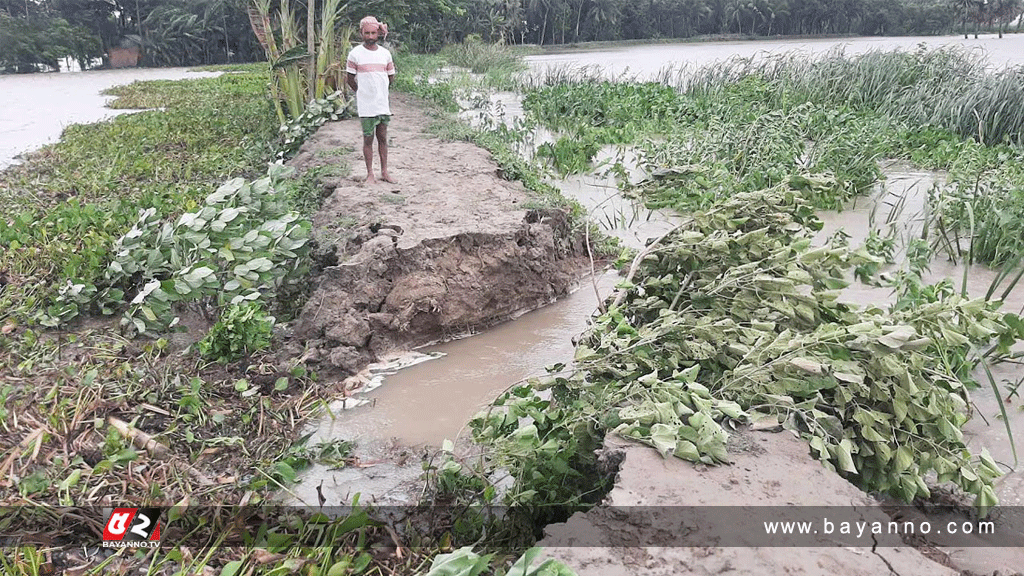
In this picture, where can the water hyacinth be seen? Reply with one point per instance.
(734, 315)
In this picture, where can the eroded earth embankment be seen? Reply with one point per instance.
(448, 249)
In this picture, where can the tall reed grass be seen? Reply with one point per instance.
(481, 57)
(947, 88)
(753, 122)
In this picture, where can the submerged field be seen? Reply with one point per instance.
(737, 315)
(734, 316)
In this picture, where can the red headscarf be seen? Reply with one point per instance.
(371, 22)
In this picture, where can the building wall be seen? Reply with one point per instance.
(124, 57)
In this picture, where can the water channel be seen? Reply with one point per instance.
(428, 403)
(432, 401)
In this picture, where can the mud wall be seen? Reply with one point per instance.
(382, 297)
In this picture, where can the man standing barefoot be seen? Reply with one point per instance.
(370, 73)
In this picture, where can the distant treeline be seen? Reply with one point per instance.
(566, 21)
(37, 34)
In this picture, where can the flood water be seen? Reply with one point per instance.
(519, 340)
(35, 108)
(645, 62)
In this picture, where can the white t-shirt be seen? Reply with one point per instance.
(372, 69)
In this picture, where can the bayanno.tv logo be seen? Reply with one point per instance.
(132, 528)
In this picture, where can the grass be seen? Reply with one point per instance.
(818, 124)
(480, 57)
(66, 206)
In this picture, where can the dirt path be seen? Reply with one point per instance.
(452, 247)
(666, 516)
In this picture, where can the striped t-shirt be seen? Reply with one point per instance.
(372, 68)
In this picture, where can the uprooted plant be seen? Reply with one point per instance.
(242, 245)
(734, 316)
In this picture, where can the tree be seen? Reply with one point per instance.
(38, 39)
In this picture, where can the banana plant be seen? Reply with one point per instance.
(302, 69)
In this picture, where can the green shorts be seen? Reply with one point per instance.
(370, 123)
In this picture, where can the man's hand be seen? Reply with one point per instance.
(351, 81)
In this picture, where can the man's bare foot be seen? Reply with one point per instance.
(386, 177)
(370, 179)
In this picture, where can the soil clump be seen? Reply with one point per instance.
(450, 248)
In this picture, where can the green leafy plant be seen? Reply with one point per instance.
(295, 131)
(465, 562)
(242, 245)
(569, 156)
(241, 330)
(66, 206)
(734, 316)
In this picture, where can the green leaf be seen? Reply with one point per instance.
(462, 562)
(687, 451)
(285, 472)
(71, 481)
(291, 56)
(844, 458)
(689, 375)
(663, 438)
(904, 459)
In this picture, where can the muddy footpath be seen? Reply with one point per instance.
(452, 249)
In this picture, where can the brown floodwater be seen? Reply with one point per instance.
(646, 62)
(414, 410)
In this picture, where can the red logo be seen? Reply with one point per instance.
(132, 528)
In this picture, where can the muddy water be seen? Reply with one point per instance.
(427, 403)
(422, 406)
(35, 108)
(646, 62)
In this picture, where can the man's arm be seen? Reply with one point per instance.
(351, 81)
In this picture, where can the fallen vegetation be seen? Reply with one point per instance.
(734, 316)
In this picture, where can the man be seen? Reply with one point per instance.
(370, 73)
